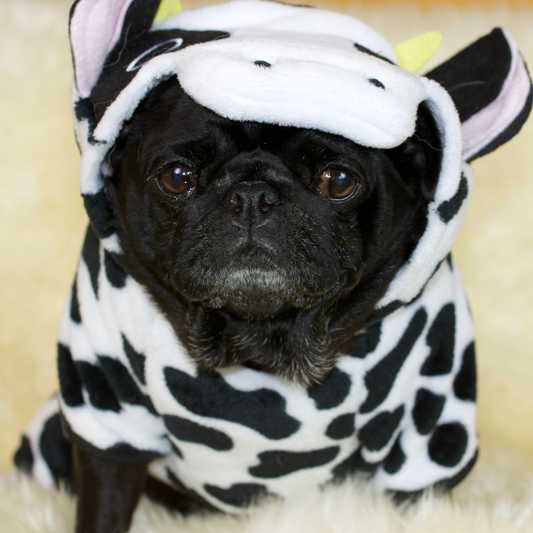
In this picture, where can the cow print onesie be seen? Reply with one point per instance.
(399, 406)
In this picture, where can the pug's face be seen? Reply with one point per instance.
(264, 245)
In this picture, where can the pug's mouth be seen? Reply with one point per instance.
(255, 284)
(256, 293)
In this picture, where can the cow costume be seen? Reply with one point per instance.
(400, 404)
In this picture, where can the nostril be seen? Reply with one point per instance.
(268, 200)
(264, 205)
(235, 203)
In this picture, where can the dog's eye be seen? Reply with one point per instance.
(336, 184)
(178, 180)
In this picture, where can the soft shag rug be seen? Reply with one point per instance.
(495, 499)
(42, 224)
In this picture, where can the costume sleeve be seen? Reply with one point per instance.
(104, 407)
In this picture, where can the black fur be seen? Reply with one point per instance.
(257, 209)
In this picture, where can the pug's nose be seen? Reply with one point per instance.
(251, 200)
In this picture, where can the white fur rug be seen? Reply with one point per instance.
(495, 499)
(42, 224)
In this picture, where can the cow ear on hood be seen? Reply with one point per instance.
(491, 88)
(99, 30)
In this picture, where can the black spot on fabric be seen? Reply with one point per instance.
(95, 382)
(94, 141)
(464, 384)
(380, 379)
(123, 385)
(240, 494)
(190, 431)
(264, 64)
(366, 342)
(91, 256)
(278, 463)
(114, 77)
(509, 132)
(451, 482)
(114, 273)
(353, 463)
(83, 110)
(125, 453)
(332, 391)
(136, 360)
(74, 304)
(381, 313)
(427, 410)
(175, 449)
(376, 83)
(166, 494)
(441, 340)
(69, 380)
(376, 433)
(396, 458)
(56, 450)
(100, 214)
(448, 209)
(210, 395)
(365, 50)
(448, 443)
(23, 458)
(119, 453)
(341, 427)
(181, 488)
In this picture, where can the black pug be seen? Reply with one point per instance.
(254, 235)
(265, 246)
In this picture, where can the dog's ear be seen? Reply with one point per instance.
(100, 28)
(491, 88)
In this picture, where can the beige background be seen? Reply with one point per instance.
(42, 220)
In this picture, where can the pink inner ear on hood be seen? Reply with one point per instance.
(95, 28)
(485, 126)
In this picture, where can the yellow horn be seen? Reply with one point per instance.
(414, 53)
(167, 8)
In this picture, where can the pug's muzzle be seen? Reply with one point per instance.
(264, 242)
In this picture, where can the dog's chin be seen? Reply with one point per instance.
(252, 294)
(256, 294)
(253, 308)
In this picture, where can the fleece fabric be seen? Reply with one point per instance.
(401, 404)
